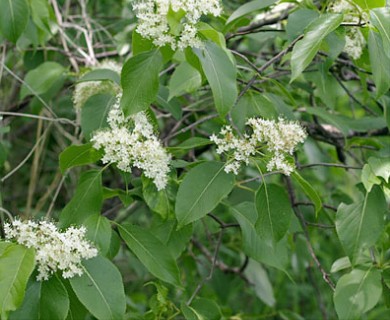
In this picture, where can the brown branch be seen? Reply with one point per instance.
(222, 224)
(253, 28)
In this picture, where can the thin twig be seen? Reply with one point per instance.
(324, 164)
(302, 221)
(27, 157)
(210, 275)
(34, 116)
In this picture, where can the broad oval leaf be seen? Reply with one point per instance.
(78, 155)
(357, 293)
(380, 18)
(54, 300)
(305, 50)
(101, 75)
(161, 201)
(154, 255)
(94, 113)
(44, 300)
(201, 191)
(379, 60)
(310, 191)
(99, 232)
(253, 245)
(175, 240)
(274, 213)
(41, 79)
(87, 199)
(100, 289)
(248, 8)
(16, 265)
(360, 224)
(202, 309)
(13, 18)
(221, 74)
(185, 79)
(258, 276)
(140, 81)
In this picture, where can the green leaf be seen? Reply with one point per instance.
(298, 21)
(185, 79)
(54, 300)
(87, 199)
(253, 245)
(202, 309)
(369, 178)
(380, 18)
(360, 224)
(379, 59)
(221, 75)
(309, 191)
(13, 18)
(44, 300)
(140, 44)
(40, 13)
(249, 8)
(201, 191)
(209, 33)
(159, 201)
(257, 275)
(101, 75)
(100, 289)
(153, 254)
(340, 264)
(115, 245)
(140, 81)
(370, 4)
(41, 79)
(305, 50)
(94, 113)
(173, 106)
(76, 308)
(99, 232)
(253, 104)
(380, 167)
(274, 213)
(375, 168)
(175, 240)
(357, 293)
(16, 265)
(78, 155)
(3, 154)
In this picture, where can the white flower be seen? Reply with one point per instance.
(354, 39)
(131, 142)
(55, 250)
(84, 90)
(280, 138)
(240, 148)
(354, 43)
(153, 21)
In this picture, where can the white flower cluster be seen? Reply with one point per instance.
(153, 20)
(354, 39)
(84, 90)
(242, 148)
(279, 137)
(131, 142)
(55, 250)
